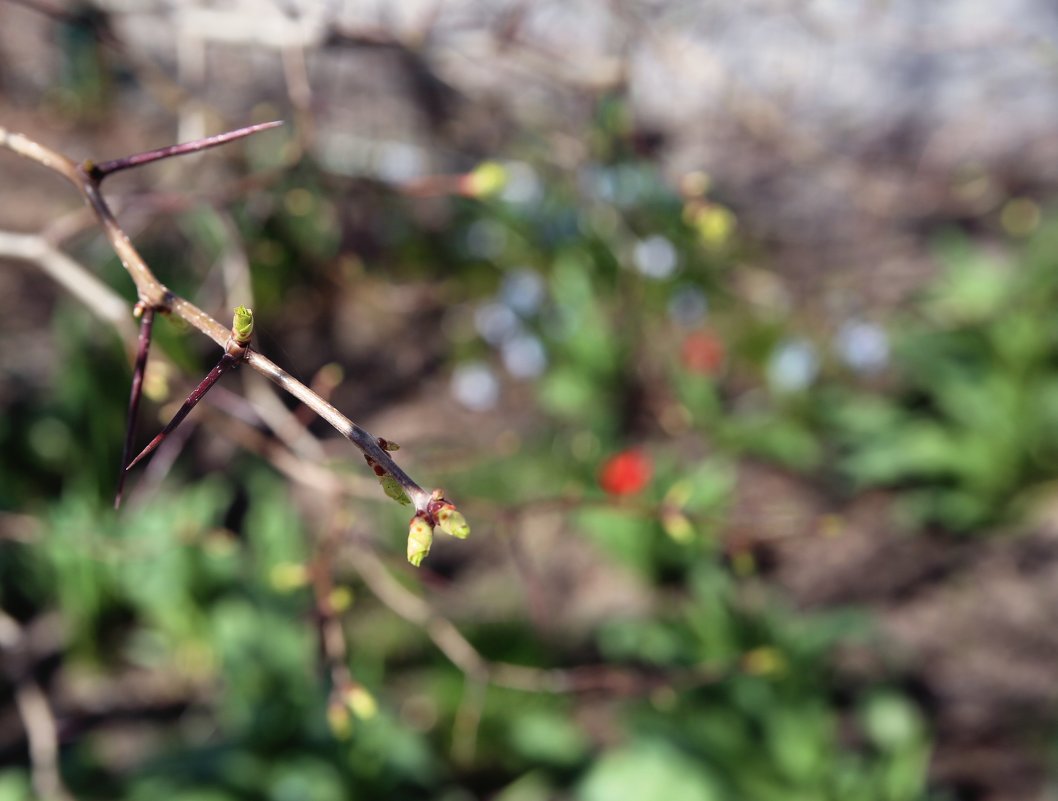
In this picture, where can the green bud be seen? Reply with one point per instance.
(487, 178)
(420, 538)
(393, 489)
(451, 521)
(288, 576)
(361, 703)
(338, 719)
(677, 526)
(242, 324)
(715, 224)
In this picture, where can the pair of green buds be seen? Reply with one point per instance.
(441, 514)
(234, 352)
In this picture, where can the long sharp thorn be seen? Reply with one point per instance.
(225, 364)
(143, 346)
(103, 169)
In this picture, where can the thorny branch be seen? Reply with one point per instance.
(153, 294)
(155, 297)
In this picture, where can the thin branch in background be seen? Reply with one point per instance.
(540, 613)
(42, 733)
(74, 278)
(68, 225)
(347, 694)
(238, 287)
(284, 422)
(38, 721)
(164, 457)
(468, 720)
(448, 639)
(299, 90)
(297, 468)
(323, 383)
(460, 652)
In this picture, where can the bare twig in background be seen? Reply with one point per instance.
(459, 650)
(238, 287)
(37, 720)
(96, 295)
(468, 719)
(347, 694)
(43, 737)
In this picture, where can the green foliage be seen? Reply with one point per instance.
(648, 770)
(14, 785)
(972, 428)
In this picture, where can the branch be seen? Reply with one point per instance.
(37, 719)
(80, 283)
(100, 171)
(591, 678)
(86, 178)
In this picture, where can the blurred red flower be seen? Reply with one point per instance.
(703, 352)
(625, 473)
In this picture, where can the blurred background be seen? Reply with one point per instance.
(729, 326)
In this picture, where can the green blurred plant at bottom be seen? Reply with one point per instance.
(167, 589)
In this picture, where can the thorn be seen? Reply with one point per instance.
(102, 170)
(143, 346)
(225, 364)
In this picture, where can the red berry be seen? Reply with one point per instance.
(625, 473)
(703, 352)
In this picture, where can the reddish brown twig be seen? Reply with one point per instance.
(226, 364)
(143, 346)
(98, 172)
(234, 352)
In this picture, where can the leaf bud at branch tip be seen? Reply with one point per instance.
(444, 513)
(242, 324)
(420, 538)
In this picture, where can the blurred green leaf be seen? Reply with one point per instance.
(14, 785)
(546, 737)
(648, 771)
